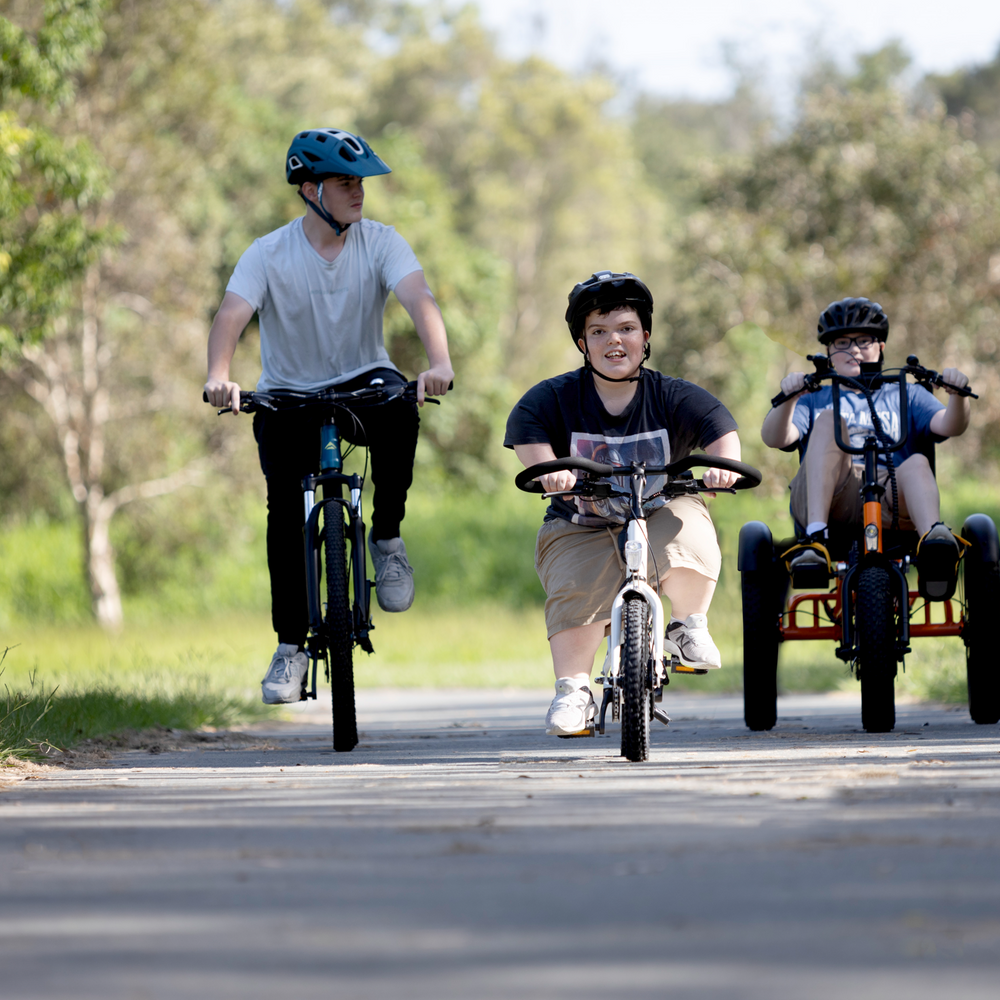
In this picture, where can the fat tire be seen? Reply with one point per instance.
(875, 621)
(337, 629)
(982, 606)
(638, 704)
(761, 640)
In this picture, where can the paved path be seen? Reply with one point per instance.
(460, 853)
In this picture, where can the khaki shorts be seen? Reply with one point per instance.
(847, 506)
(581, 568)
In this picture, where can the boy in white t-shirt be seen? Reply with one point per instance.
(319, 286)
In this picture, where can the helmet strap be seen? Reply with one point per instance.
(607, 378)
(338, 227)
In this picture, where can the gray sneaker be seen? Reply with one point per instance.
(282, 684)
(393, 573)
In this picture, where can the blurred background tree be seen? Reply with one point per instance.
(124, 210)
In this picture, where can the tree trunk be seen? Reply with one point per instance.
(105, 594)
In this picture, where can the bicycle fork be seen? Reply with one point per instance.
(636, 549)
(332, 479)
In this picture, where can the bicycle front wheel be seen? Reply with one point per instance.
(638, 707)
(337, 628)
(876, 636)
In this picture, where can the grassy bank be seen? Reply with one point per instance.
(196, 645)
(206, 672)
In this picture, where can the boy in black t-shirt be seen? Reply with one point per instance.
(614, 410)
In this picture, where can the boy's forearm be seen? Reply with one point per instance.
(953, 420)
(227, 327)
(778, 429)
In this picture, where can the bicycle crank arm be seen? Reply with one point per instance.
(609, 693)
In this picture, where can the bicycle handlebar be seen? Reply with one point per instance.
(526, 480)
(923, 376)
(291, 398)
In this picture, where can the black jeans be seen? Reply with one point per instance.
(288, 445)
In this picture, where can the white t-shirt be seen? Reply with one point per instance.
(321, 320)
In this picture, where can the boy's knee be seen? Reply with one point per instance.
(917, 463)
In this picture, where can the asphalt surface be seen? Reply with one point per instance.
(458, 852)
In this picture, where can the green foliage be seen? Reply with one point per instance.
(973, 95)
(866, 195)
(47, 181)
(40, 574)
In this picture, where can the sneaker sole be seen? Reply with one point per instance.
(674, 650)
(591, 730)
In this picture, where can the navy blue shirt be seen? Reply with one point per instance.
(666, 420)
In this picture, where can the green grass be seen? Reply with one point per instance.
(477, 622)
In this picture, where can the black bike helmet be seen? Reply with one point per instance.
(319, 153)
(607, 290)
(323, 152)
(852, 316)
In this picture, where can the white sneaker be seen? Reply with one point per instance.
(691, 643)
(282, 684)
(572, 710)
(393, 573)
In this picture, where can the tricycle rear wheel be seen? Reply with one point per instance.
(982, 606)
(761, 639)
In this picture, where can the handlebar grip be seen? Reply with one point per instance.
(204, 397)
(525, 479)
(959, 390)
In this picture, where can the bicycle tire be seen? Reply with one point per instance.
(761, 640)
(875, 620)
(982, 603)
(337, 630)
(638, 706)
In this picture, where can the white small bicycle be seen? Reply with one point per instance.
(635, 670)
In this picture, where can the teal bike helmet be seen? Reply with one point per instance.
(318, 153)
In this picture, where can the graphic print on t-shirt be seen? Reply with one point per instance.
(651, 447)
(921, 407)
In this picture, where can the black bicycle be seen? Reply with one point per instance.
(635, 670)
(344, 621)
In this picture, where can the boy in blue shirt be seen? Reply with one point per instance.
(827, 486)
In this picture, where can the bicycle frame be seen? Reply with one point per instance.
(636, 554)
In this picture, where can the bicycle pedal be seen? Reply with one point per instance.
(676, 667)
(662, 716)
(583, 734)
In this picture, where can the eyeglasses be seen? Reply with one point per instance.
(846, 343)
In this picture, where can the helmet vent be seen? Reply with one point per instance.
(320, 137)
(302, 135)
(311, 157)
(347, 155)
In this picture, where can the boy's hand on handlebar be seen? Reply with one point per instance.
(555, 482)
(223, 393)
(719, 478)
(793, 384)
(434, 382)
(953, 379)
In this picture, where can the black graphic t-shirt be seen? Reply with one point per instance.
(667, 420)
